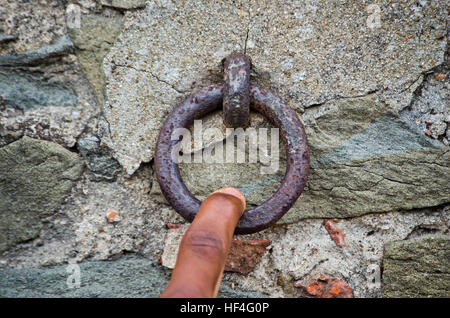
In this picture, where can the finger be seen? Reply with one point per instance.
(240, 196)
(204, 247)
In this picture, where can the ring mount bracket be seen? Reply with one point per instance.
(236, 90)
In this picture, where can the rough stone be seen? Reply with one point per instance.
(7, 37)
(36, 176)
(417, 267)
(60, 124)
(306, 53)
(127, 277)
(44, 93)
(242, 258)
(336, 51)
(80, 227)
(92, 41)
(62, 46)
(35, 23)
(124, 4)
(430, 111)
(100, 162)
(376, 185)
(23, 90)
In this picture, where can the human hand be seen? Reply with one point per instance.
(203, 250)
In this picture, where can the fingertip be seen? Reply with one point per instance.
(234, 192)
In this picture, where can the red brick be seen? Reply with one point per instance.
(325, 287)
(245, 255)
(335, 233)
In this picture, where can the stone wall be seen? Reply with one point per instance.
(85, 87)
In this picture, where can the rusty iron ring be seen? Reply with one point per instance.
(273, 108)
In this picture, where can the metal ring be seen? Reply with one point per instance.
(273, 108)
